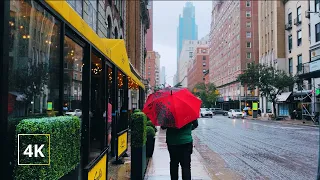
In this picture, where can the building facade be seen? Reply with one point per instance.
(186, 55)
(234, 39)
(61, 59)
(187, 29)
(163, 76)
(297, 43)
(153, 69)
(149, 38)
(137, 18)
(271, 40)
(310, 70)
(198, 66)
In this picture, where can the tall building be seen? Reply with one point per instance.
(153, 68)
(311, 69)
(186, 56)
(187, 29)
(149, 39)
(198, 66)
(297, 43)
(271, 40)
(163, 76)
(234, 43)
(137, 18)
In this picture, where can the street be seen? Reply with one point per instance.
(253, 149)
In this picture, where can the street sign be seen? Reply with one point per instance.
(317, 92)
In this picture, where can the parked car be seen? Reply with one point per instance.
(76, 112)
(219, 111)
(235, 113)
(205, 112)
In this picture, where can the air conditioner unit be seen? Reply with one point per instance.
(288, 26)
(307, 15)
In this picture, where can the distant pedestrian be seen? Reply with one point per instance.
(180, 147)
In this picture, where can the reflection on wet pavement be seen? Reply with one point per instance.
(158, 168)
(257, 149)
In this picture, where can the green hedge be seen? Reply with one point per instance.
(150, 131)
(149, 123)
(64, 147)
(12, 124)
(138, 129)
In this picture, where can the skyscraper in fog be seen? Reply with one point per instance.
(187, 29)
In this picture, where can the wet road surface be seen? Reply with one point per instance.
(261, 150)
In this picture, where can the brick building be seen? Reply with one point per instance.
(153, 68)
(234, 43)
(137, 18)
(149, 39)
(198, 66)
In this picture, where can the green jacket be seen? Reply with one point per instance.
(180, 136)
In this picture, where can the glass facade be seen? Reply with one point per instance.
(72, 76)
(33, 60)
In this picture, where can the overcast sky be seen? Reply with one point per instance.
(165, 23)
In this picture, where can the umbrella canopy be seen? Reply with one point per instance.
(172, 107)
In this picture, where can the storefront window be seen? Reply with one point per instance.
(33, 60)
(97, 120)
(73, 55)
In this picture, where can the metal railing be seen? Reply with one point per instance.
(305, 68)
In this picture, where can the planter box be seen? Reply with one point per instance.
(138, 162)
(150, 146)
(73, 175)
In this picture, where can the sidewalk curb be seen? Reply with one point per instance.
(200, 158)
(279, 122)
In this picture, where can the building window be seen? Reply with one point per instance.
(248, 13)
(299, 38)
(190, 54)
(148, 67)
(248, 24)
(290, 18)
(317, 32)
(76, 5)
(204, 58)
(290, 66)
(33, 83)
(299, 14)
(92, 11)
(248, 55)
(204, 64)
(248, 44)
(290, 42)
(299, 67)
(248, 3)
(248, 34)
(317, 5)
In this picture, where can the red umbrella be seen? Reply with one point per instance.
(172, 107)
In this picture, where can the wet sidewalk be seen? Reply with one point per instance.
(159, 164)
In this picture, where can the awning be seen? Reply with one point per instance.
(283, 96)
(113, 48)
(116, 51)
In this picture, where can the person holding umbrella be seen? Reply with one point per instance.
(176, 110)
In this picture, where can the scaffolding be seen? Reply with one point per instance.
(305, 111)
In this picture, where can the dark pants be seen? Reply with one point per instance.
(180, 154)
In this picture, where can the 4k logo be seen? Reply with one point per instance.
(33, 149)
